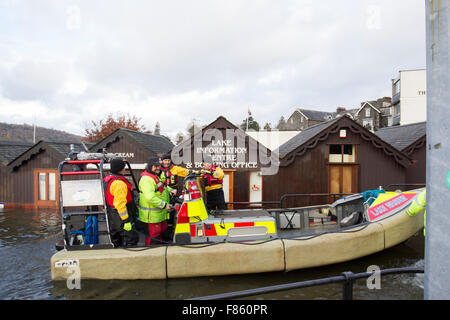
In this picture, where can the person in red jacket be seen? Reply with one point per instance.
(121, 207)
(213, 180)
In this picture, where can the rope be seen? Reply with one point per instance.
(351, 229)
(371, 195)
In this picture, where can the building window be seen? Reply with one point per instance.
(390, 121)
(367, 112)
(368, 124)
(47, 181)
(397, 109)
(51, 186)
(397, 87)
(46, 192)
(42, 186)
(342, 153)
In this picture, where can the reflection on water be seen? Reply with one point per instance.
(26, 244)
(27, 240)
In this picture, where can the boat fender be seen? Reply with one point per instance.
(351, 220)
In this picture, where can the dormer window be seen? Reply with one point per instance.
(367, 112)
(342, 153)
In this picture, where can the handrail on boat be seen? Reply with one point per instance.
(286, 196)
(414, 185)
(334, 195)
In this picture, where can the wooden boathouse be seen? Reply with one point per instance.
(335, 157)
(411, 139)
(9, 150)
(30, 179)
(133, 146)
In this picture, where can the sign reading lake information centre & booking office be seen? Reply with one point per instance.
(225, 155)
(243, 160)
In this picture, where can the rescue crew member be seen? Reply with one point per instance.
(121, 208)
(170, 172)
(213, 180)
(154, 203)
(417, 205)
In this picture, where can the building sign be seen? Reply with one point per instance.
(124, 155)
(388, 206)
(225, 155)
(230, 149)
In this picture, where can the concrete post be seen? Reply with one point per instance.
(437, 242)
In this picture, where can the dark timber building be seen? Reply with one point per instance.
(337, 156)
(411, 139)
(31, 178)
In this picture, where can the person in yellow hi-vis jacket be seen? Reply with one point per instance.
(417, 205)
(213, 180)
(120, 205)
(154, 203)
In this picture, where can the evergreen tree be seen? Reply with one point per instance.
(267, 127)
(252, 124)
(282, 124)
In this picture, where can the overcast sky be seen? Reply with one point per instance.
(69, 62)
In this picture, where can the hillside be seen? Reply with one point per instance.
(24, 133)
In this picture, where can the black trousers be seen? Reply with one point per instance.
(120, 237)
(215, 200)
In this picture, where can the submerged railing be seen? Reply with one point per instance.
(346, 278)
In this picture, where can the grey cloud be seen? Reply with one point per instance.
(32, 79)
(275, 56)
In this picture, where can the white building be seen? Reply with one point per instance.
(409, 97)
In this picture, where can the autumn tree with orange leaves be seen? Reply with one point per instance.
(104, 128)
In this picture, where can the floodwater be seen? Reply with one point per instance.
(27, 242)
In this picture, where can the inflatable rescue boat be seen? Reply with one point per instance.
(220, 243)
